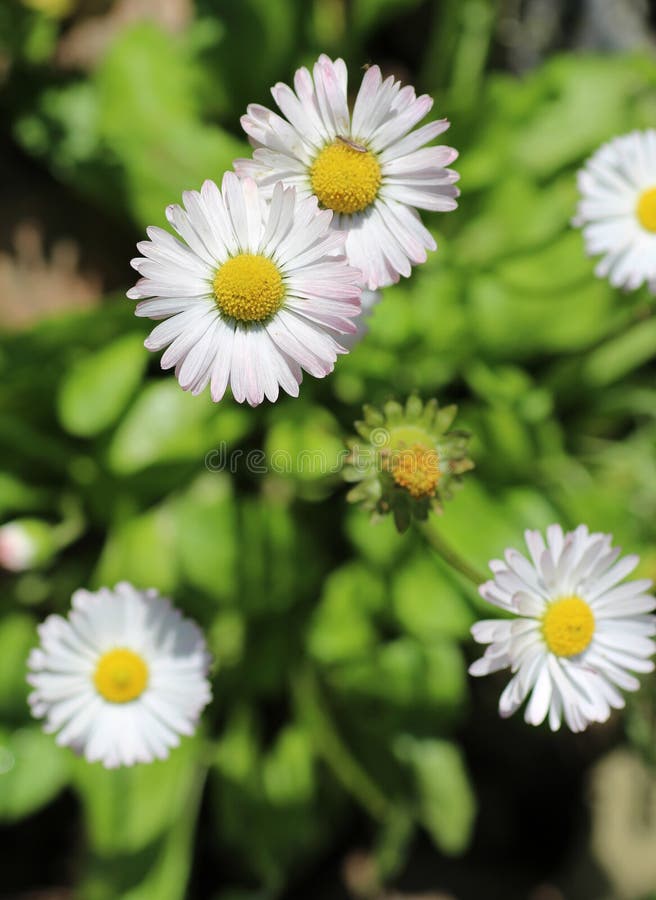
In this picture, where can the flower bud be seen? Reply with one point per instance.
(405, 459)
(25, 544)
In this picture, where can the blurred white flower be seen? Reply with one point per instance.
(25, 543)
(370, 167)
(578, 633)
(617, 210)
(121, 678)
(254, 295)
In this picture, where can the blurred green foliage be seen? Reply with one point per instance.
(339, 663)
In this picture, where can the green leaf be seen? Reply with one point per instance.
(126, 809)
(271, 543)
(379, 542)
(501, 519)
(161, 870)
(250, 26)
(97, 388)
(33, 770)
(265, 804)
(305, 444)
(515, 216)
(143, 551)
(16, 496)
(622, 354)
(559, 266)
(226, 639)
(368, 14)
(427, 603)
(445, 799)
(165, 425)
(207, 536)
(539, 323)
(288, 769)
(17, 637)
(341, 627)
(588, 105)
(72, 109)
(161, 866)
(148, 99)
(406, 674)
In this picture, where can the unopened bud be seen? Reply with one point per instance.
(25, 544)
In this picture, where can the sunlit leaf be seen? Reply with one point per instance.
(97, 388)
(447, 805)
(33, 770)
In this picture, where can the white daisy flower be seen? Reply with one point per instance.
(121, 678)
(253, 296)
(369, 167)
(579, 633)
(618, 208)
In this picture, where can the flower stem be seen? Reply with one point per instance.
(449, 555)
(331, 746)
(72, 525)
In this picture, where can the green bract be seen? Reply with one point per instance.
(406, 459)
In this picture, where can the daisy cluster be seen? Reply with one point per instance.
(272, 274)
(269, 275)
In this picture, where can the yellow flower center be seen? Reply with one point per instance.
(248, 288)
(417, 469)
(121, 675)
(646, 209)
(345, 178)
(568, 626)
